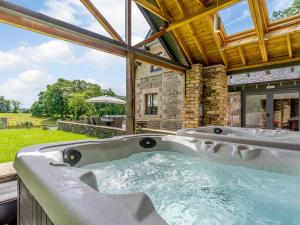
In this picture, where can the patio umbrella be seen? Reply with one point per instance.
(107, 100)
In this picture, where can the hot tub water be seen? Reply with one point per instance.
(191, 191)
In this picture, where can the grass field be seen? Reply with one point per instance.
(12, 140)
(13, 118)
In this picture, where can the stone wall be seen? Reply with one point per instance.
(103, 131)
(215, 97)
(168, 85)
(234, 109)
(3, 122)
(90, 130)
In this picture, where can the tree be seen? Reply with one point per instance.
(39, 108)
(66, 98)
(290, 11)
(4, 105)
(78, 106)
(15, 106)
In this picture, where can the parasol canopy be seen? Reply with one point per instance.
(107, 100)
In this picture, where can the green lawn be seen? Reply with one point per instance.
(12, 140)
(13, 118)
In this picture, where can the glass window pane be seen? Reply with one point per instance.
(237, 18)
(155, 98)
(280, 9)
(256, 116)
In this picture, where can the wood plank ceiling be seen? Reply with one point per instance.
(191, 21)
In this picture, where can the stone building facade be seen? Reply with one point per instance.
(189, 100)
(167, 85)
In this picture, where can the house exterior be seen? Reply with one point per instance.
(210, 96)
(170, 100)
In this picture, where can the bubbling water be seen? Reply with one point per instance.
(187, 190)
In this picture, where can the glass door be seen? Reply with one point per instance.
(285, 111)
(271, 110)
(255, 111)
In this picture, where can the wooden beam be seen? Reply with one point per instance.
(203, 2)
(218, 41)
(130, 93)
(213, 8)
(183, 47)
(151, 38)
(130, 73)
(259, 27)
(289, 45)
(101, 19)
(268, 36)
(27, 19)
(264, 64)
(193, 32)
(128, 22)
(242, 54)
(153, 9)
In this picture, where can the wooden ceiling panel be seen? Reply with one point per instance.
(272, 43)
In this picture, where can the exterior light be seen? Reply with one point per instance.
(217, 23)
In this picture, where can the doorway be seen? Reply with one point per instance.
(271, 109)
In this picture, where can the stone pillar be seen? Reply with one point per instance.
(192, 110)
(215, 95)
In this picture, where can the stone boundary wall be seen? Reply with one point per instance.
(102, 131)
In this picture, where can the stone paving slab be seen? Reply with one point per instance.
(7, 172)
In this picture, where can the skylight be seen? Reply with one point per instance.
(280, 9)
(237, 18)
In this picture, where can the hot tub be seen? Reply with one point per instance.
(157, 180)
(255, 136)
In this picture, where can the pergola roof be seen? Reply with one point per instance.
(191, 22)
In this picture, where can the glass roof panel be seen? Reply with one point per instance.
(280, 9)
(237, 18)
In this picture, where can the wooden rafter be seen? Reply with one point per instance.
(242, 54)
(217, 39)
(268, 36)
(183, 46)
(259, 27)
(153, 9)
(211, 9)
(176, 33)
(101, 19)
(264, 64)
(289, 45)
(151, 38)
(193, 32)
(203, 2)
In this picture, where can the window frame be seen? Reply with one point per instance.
(238, 34)
(154, 68)
(283, 22)
(152, 109)
(270, 25)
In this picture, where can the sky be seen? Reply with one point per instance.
(237, 18)
(29, 61)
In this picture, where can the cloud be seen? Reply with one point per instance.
(26, 86)
(28, 56)
(64, 10)
(73, 11)
(101, 59)
(280, 4)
